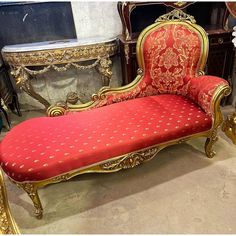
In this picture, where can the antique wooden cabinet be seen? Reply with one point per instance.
(212, 16)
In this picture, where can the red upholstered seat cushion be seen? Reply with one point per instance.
(45, 147)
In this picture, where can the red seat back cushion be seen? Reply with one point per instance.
(45, 147)
(171, 55)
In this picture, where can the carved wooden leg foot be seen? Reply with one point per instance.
(209, 144)
(32, 191)
(24, 83)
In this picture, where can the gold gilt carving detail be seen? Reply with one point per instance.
(56, 110)
(105, 69)
(32, 192)
(98, 96)
(179, 4)
(59, 56)
(229, 127)
(201, 72)
(4, 224)
(126, 50)
(131, 160)
(176, 14)
(7, 222)
(210, 142)
(60, 178)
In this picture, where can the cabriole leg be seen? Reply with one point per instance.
(209, 144)
(32, 191)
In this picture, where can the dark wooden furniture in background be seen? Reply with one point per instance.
(7, 93)
(212, 16)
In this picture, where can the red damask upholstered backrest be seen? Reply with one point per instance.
(171, 53)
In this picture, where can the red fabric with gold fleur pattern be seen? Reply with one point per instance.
(202, 89)
(171, 54)
(171, 57)
(45, 147)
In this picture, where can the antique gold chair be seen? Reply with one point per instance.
(169, 102)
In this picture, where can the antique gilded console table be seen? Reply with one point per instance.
(29, 60)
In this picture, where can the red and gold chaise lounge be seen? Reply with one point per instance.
(169, 102)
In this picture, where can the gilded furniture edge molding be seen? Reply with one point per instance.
(7, 222)
(177, 15)
(60, 55)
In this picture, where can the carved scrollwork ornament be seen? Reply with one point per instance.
(98, 96)
(32, 192)
(60, 68)
(178, 15)
(210, 142)
(62, 178)
(201, 72)
(57, 110)
(60, 56)
(179, 3)
(140, 71)
(130, 160)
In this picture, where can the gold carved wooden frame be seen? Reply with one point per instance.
(133, 159)
(7, 222)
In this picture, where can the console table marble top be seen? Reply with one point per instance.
(56, 44)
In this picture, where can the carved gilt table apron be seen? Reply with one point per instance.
(58, 55)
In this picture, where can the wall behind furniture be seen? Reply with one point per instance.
(94, 19)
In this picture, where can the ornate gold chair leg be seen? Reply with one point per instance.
(32, 191)
(209, 144)
(24, 83)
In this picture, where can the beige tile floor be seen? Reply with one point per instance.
(181, 191)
